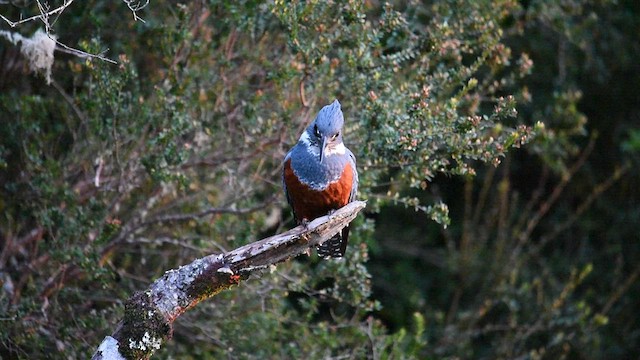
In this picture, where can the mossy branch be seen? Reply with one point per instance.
(149, 314)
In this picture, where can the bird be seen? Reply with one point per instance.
(320, 176)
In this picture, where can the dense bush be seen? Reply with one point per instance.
(502, 202)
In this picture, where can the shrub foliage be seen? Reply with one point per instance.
(488, 226)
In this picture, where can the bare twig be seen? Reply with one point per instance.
(303, 97)
(209, 211)
(149, 315)
(79, 113)
(584, 206)
(82, 54)
(135, 6)
(544, 208)
(617, 294)
(42, 16)
(184, 217)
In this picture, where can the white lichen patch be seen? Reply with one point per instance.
(168, 294)
(225, 270)
(38, 50)
(251, 250)
(254, 268)
(146, 343)
(109, 349)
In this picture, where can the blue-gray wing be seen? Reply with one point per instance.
(354, 187)
(284, 185)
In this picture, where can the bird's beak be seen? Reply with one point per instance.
(322, 147)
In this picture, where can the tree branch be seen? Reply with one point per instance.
(149, 315)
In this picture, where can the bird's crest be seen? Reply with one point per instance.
(330, 119)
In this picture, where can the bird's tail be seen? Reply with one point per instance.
(336, 246)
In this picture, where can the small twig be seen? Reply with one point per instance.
(535, 197)
(303, 98)
(81, 115)
(206, 212)
(135, 6)
(586, 204)
(45, 17)
(482, 198)
(82, 54)
(544, 208)
(621, 290)
(167, 240)
(99, 168)
(41, 16)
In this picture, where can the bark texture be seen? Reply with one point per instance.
(149, 314)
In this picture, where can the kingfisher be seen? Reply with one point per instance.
(320, 175)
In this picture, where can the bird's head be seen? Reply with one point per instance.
(323, 137)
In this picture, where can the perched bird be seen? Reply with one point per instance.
(320, 175)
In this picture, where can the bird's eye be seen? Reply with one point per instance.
(335, 136)
(315, 130)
